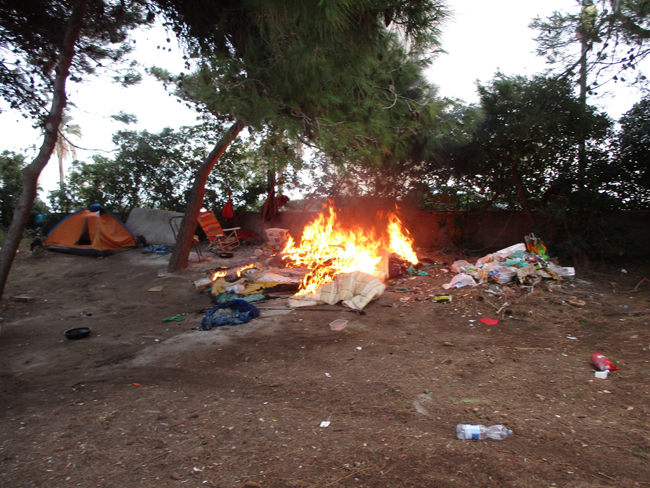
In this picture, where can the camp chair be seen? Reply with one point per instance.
(175, 224)
(226, 239)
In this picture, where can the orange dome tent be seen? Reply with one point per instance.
(92, 232)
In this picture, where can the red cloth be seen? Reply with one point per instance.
(281, 201)
(228, 212)
(270, 207)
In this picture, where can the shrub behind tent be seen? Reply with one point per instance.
(91, 232)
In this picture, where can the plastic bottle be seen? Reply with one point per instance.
(473, 431)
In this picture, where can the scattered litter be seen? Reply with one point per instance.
(477, 432)
(235, 288)
(459, 281)
(338, 324)
(203, 284)
(177, 318)
(570, 337)
(328, 375)
(359, 348)
(157, 288)
(22, 298)
(643, 280)
(601, 374)
(461, 266)
(442, 298)
(602, 363)
(489, 321)
(535, 246)
(527, 262)
(324, 424)
(501, 274)
(576, 302)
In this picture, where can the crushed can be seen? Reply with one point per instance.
(442, 298)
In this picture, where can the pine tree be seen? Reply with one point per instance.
(294, 68)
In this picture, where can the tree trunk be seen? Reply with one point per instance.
(521, 191)
(31, 173)
(183, 245)
(584, 49)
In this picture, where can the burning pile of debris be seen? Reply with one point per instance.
(329, 264)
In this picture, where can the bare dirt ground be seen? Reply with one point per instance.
(142, 402)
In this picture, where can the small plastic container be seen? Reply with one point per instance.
(338, 324)
(277, 237)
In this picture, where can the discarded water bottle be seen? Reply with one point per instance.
(473, 431)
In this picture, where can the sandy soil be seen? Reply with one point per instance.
(142, 402)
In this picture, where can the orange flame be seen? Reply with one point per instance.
(248, 266)
(328, 250)
(218, 274)
(400, 244)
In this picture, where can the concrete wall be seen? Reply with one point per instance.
(479, 232)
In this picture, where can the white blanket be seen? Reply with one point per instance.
(356, 289)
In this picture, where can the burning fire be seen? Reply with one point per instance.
(219, 274)
(400, 244)
(327, 249)
(248, 266)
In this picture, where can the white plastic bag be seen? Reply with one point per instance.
(459, 281)
(461, 266)
(503, 274)
(560, 271)
(504, 253)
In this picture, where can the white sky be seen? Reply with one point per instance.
(481, 38)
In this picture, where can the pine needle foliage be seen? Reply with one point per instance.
(349, 86)
(31, 35)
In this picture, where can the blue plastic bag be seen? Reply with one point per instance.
(234, 312)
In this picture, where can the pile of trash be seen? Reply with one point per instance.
(527, 262)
